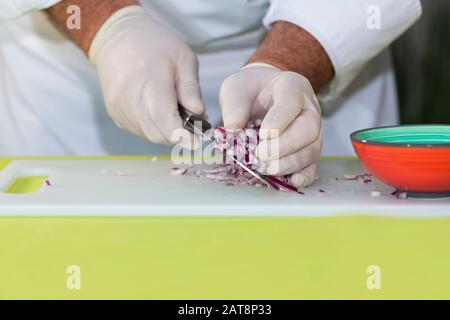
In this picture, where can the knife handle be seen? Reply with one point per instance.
(193, 122)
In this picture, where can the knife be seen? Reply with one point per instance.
(197, 125)
(194, 123)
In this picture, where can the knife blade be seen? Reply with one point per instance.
(197, 125)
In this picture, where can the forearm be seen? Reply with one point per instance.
(291, 48)
(93, 14)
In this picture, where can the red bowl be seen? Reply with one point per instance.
(413, 158)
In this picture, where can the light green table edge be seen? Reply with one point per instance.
(223, 257)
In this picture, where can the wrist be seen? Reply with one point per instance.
(94, 13)
(117, 17)
(291, 48)
(262, 60)
(260, 65)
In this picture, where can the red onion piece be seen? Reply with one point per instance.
(375, 193)
(282, 183)
(178, 171)
(399, 194)
(121, 173)
(362, 177)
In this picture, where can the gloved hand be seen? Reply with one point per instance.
(144, 71)
(290, 111)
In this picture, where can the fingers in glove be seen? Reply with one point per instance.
(288, 100)
(236, 99)
(305, 177)
(187, 85)
(301, 133)
(150, 131)
(296, 161)
(162, 106)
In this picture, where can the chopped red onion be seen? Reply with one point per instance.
(48, 183)
(240, 145)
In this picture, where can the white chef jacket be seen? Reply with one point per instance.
(50, 98)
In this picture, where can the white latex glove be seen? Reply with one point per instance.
(290, 111)
(144, 72)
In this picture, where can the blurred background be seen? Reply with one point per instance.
(422, 64)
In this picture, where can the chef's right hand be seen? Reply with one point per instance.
(144, 72)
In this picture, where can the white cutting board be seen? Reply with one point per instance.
(145, 188)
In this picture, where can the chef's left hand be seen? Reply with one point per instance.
(290, 111)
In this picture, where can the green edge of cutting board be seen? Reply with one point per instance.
(224, 258)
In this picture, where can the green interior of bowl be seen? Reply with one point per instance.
(408, 134)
